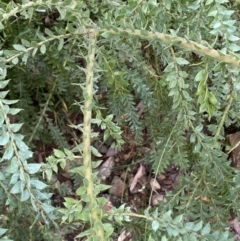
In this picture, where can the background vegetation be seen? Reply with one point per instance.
(72, 72)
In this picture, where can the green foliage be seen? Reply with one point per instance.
(105, 57)
(20, 187)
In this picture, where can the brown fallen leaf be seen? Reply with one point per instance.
(236, 226)
(140, 108)
(154, 184)
(156, 198)
(138, 175)
(124, 235)
(108, 206)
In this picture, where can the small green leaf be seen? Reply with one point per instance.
(16, 187)
(85, 233)
(42, 195)
(63, 164)
(15, 178)
(95, 152)
(34, 51)
(172, 231)
(189, 226)
(21, 145)
(25, 57)
(13, 167)
(168, 4)
(96, 121)
(15, 127)
(233, 38)
(106, 35)
(25, 154)
(59, 154)
(8, 154)
(25, 195)
(26, 43)
(213, 13)
(106, 134)
(212, 98)
(178, 219)
(4, 83)
(155, 225)
(108, 228)
(43, 49)
(4, 138)
(81, 190)
(2, 176)
(173, 83)
(3, 231)
(206, 230)
(3, 94)
(47, 208)
(181, 82)
(19, 47)
(167, 216)
(95, 164)
(1, 119)
(109, 118)
(69, 154)
(181, 61)
(216, 25)
(9, 102)
(201, 75)
(49, 32)
(15, 61)
(38, 184)
(32, 168)
(101, 201)
(85, 197)
(208, 2)
(49, 174)
(162, 239)
(198, 226)
(101, 187)
(62, 12)
(60, 45)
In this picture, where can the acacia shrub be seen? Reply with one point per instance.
(178, 57)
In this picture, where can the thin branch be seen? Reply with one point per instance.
(223, 119)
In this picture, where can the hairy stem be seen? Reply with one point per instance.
(181, 42)
(95, 211)
(144, 34)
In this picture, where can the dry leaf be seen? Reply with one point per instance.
(108, 206)
(154, 184)
(156, 198)
(138, 175)
(236, 226)
(124, 235)
(106, 168)
(140, 108)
